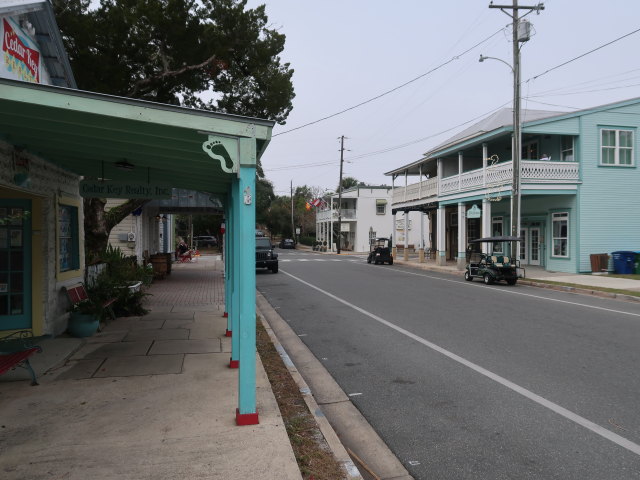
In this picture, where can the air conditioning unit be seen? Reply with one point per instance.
(131, 237)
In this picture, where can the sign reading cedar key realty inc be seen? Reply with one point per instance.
(108, 189)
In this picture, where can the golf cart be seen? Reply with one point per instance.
(493, 268)
(380, 251)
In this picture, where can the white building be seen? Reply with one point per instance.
(366, 213)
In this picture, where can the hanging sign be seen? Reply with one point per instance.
(474, 212)
(108, 189)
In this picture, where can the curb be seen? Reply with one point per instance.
(533, 283)
(345, 424)
(329, 434)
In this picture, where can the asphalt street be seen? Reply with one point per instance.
(464, 380)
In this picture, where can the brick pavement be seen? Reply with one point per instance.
(198, 283)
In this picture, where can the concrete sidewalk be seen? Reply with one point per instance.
(149, 397)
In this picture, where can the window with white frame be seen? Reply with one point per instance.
(560, 233)
(381, 207)
(566, 149)
(616, 147)
(496, 229)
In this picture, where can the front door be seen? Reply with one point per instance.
(15, 264)
(530, 246)
(534, 246)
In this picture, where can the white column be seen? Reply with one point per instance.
(486, 223)
(406, 235)
(441, 258)
(405, 185)
(440, 169)
(427, 232)
(460, 170)
(462, 235)
(485, 159)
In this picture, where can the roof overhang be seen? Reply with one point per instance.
(88, 133)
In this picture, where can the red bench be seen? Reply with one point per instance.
(77, 293)
(15, 350)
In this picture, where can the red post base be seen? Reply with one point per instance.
(234, 363)
(246, 418)
(228, 333)
(225, 314)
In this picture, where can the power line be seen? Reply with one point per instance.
(584, 54)
(456, 57)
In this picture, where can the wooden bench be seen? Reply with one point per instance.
(15, 350)
(77, 293)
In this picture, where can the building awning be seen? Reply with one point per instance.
(381, 201)
(89, 133)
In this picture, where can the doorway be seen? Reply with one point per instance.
(15, 264)
(530, 246)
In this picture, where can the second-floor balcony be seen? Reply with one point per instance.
(493, 176)
(327, 215)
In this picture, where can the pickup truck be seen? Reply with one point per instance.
(265, 256)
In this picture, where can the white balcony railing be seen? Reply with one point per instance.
(425, 189)
(327, 215)
(531, 172)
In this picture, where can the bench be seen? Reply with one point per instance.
(77, 293)
(15, 350)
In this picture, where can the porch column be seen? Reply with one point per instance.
(428, 245)
(421, 249)
(486, 223)
(246, 413)
(441, 258)
(394, 248)
(439, 172)
(234, 264)
(228, 285)
(405, 254)
(462, 236)
(460, 166)
(485, 159)
(330, 246)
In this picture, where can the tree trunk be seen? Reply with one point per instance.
(98, 223)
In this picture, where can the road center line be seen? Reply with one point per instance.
(574, 417)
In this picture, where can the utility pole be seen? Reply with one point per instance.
(293, 228)
(517, 134)
(340, 194)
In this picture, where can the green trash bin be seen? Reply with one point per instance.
(636, 264)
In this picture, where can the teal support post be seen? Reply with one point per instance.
(234, 261)
(227, 269)
(247, 414)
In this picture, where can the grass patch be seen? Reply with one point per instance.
(315, 459)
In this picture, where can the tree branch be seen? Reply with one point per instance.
(140, 84)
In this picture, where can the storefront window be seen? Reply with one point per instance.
(496, 229)
(560, 230)
(68, 251)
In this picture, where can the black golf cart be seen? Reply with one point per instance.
(380, 251)
(493, 268)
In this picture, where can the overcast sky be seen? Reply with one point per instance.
(345, 52)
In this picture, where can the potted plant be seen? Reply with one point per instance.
(84, 318)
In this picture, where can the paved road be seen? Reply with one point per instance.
(464, 380)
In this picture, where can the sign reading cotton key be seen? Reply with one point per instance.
(107, 189)
(474, 212)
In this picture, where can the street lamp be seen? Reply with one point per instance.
(517, 139)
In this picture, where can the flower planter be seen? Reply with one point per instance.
(83, 324)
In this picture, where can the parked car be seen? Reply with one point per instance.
(265, 256)
(206, 241)
(287, 243)
(492, 268)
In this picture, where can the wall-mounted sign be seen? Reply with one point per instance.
(474, 212)
(107, 189)
(21, 58)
